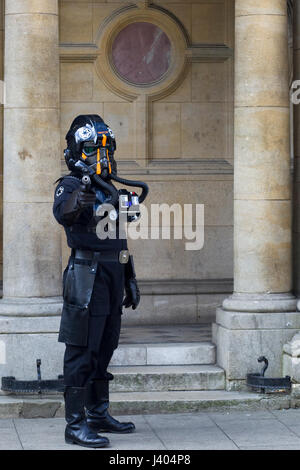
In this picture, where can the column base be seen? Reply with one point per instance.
(241, 337)
(261, 303)
(29, 331)
(31, 306)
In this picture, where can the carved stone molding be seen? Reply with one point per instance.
(183, 286)
(120, 86)
(209, 53)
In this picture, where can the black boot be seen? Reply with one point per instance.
(97, 403)
(77, 430)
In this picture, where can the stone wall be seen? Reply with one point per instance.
(176, 135)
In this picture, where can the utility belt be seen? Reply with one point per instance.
(91, 257)
(78, 283)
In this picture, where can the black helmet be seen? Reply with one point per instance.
(93, 142)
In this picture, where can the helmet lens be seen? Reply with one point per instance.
(89, 149)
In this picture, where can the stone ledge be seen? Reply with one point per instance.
(150, 402)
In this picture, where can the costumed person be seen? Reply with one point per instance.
(98, 272)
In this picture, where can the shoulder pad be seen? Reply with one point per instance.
(59, 180)
(70, 177)
(66, 184)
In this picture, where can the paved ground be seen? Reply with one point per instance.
(206, 430)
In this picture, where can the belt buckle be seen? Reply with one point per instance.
(124, 256)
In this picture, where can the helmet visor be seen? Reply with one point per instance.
(90, 149)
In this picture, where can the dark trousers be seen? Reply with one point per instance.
(83, 364)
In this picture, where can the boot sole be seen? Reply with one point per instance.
(71, 441)
(112, 432)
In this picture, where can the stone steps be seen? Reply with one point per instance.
(167, 378)
(167, 366)
(122, 403)
(152, 354)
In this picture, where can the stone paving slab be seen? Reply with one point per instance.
(266, 432)
(230, 430)
(288, 447)
(8, 436)
(290, 416)
(240, 416)
(48, 434)
(190, 432)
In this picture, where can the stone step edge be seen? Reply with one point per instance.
(164, 354)
(167, 378)
(146, 369)
(122, 403)
(179, 344)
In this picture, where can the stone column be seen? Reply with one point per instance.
(32, 246)
(261, 314)
(296, 76)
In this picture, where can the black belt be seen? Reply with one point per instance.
(86, 256)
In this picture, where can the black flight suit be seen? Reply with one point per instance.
(90, 328)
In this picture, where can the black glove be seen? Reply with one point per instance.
(132, 297)
(78, 200)
(85, 197)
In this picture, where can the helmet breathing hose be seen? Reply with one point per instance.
(138, 184)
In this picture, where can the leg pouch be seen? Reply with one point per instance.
(79, 282)
(74, 325)
(78, 285)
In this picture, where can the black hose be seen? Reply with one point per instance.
(138, 184)
(88, 170)
(108, 188)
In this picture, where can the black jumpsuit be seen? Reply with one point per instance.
(89, 350)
